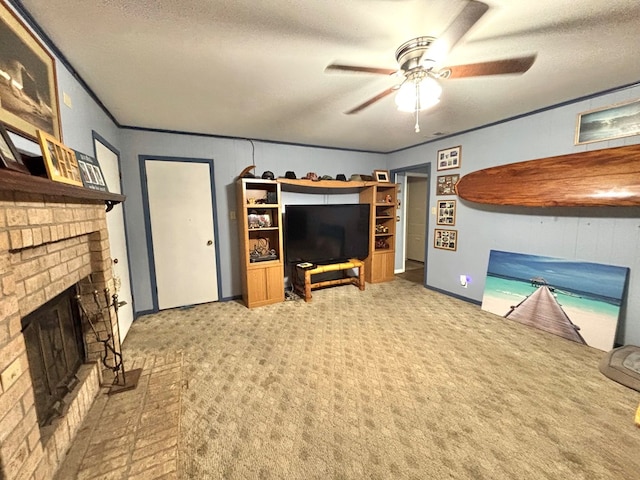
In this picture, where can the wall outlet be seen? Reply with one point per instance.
(464, 281)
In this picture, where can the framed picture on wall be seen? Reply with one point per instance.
(28, 89)
(9, 156)
(608, 123)
(449, 158)
(59, 160)
(446, 184)
(445, 239)
(446, 212)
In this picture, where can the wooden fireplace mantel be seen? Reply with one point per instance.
(19, 182)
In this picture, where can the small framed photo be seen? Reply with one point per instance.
(445, 239)
(259, 220)
(60, 161)
(9, 156)
(446, 184)
(449, 158)
(381, 176)
(446, 212)
(90, 172)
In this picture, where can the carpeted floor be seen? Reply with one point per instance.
(396, 382)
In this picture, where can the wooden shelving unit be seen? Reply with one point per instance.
(260, 233)
(379, 265)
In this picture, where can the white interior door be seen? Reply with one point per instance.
(108, 161)
(182, 230)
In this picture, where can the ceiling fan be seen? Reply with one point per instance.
(419, 59)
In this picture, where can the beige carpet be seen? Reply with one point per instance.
(396, 382)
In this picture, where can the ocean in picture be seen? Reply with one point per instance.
(577, 300)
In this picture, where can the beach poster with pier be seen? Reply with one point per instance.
(577, 300)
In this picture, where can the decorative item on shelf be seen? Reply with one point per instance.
(326, 177)
(367, 178)
(28, 87)
(91, 172)
(355, 177)
(290, 175)
(388, 198)
(9, 155)
(260, 251)
(272, 198)
(259, 220)
(382, 229)
(381, 244)
(446, 184)
(311, 176)
(61, 162)
(445, 239)
(342, 177)
(381, 175)
(268, 175)
(246, 173)
(449, 158)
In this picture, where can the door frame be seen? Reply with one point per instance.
(142, 159)
(421, 168)
(95, 136)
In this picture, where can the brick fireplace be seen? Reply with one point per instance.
(48, 243)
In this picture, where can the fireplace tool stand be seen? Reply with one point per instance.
(123, 380)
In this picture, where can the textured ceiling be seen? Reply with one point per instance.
(249, 69)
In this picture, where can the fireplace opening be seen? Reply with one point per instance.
(55, 350)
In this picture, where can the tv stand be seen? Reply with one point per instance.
(303, 285)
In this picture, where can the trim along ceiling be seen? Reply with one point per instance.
(248, 69)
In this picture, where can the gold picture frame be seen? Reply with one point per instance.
(60, 161)
(28, 91)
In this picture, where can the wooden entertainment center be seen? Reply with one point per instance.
(261, 232)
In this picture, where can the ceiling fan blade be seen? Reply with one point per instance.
(497, 67)
(380, 96)
(467, 18)
(355, 68)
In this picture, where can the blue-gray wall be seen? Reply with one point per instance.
(601, 235)
(610, 236)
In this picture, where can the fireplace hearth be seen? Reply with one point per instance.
(53, 341)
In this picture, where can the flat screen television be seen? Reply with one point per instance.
(324, 234)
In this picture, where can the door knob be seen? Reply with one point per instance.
(210, 242)
(115, 260)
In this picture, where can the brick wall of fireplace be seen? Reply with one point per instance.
(47, 244)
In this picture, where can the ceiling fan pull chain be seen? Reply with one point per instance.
(417, 125)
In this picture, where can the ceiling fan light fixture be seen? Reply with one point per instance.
(418, 94)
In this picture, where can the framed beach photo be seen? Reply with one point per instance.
(608, 123)
(59, 160)
(449, 158)
(9, 156)
(28, 90)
